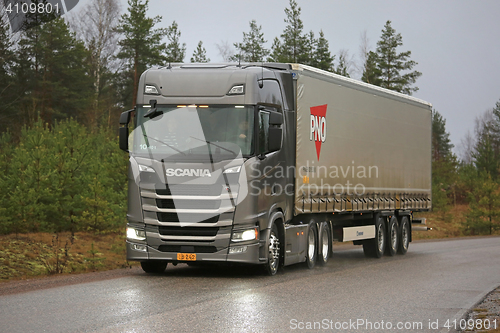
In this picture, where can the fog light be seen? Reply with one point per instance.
(238, 249)
(138, 247)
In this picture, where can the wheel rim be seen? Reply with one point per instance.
(394, 236)
(310, 252)
(404, 234)
(380, 238)
(274, 251)
(324, 245)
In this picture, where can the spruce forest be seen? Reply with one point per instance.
(65, 80)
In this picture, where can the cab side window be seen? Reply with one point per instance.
(263, 132)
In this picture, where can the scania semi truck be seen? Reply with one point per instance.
(269, 164)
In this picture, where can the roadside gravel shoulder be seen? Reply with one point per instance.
(487, 312)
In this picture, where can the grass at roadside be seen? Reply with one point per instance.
(31, 255)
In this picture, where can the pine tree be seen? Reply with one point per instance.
(252, 48)
(441, 143)
(293, 47)
(140, 48)
(444, 167)
(200, 54)
(323, 59)
(52, 71)
(175, 51)
(371, 73)
(344, 64)
(8, 93)
(483, 216)
(392, 64)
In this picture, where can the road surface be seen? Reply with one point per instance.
(432, 285)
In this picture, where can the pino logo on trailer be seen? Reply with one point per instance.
(26, 14)
(318, 126)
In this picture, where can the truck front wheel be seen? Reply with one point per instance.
(153, 266)
(273, 262)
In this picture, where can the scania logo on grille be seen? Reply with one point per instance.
(188, 172)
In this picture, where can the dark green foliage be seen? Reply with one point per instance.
(444, 167)
(483, 216)
(371, 73)
(200, 54)
(293, 47)
(322, 57)
(62, 179)
(141, 47)
(441, 144)
(175, 51)
(252, 48)
(392, 67)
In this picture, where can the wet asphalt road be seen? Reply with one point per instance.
(433, 283)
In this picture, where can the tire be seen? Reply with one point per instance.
(324, 243)
(392, 237)
(404, 235)
(312, 245)
(273, 263)
(375, 247)
(153, 266)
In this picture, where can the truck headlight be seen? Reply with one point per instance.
(145, 168)
(245, 235)
(136, 234)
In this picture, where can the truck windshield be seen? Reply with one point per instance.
(192, 130)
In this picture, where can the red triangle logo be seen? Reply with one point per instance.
(318, 126)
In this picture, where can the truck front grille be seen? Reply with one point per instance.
(187, 204)
(188, 231)
(187, 249)
(191, 189)
(187, 218)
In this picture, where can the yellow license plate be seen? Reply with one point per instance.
(186, 256)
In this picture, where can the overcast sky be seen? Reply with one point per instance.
(455, 42)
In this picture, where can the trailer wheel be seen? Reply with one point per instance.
(375, 247)
(312, 245)
(324, 243)
(404, 235)
(153, 266)
(392, 237)
(273, 262)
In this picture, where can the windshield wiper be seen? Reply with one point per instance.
(166, 144)
(216, 145)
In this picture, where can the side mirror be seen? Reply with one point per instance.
(123, 131)
(275, 118)
(123, 139)
(275, 134)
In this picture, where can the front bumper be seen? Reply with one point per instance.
(249, 256)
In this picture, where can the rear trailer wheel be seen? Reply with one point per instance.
(312, 245)
(153, 266)
(273, 262)
(324, 243)
(404, 235)
(375, 247)
(392, 237)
